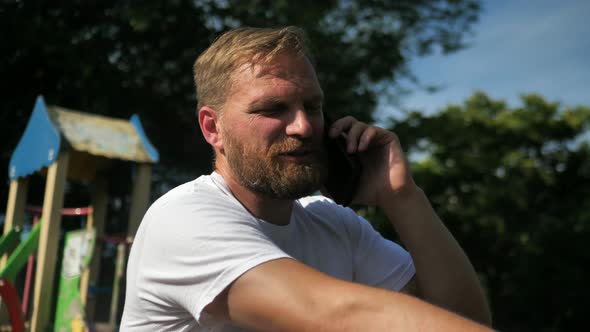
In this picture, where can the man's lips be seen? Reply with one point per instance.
(303, 154)
(298, 152)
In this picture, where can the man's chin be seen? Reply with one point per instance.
(302, 183)
(293, 193)
(282, 180)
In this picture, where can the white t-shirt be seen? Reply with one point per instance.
(198, 238)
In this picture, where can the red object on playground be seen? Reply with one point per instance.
(10, 297)
(83, 211)
(37, 211)
(29, 276)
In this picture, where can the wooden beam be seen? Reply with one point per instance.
(15, 209)
(119, 272)
(140, 197)
(97, 220)
(48, 243)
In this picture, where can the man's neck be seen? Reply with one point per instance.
(274, 211)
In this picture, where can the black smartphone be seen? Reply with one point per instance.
(344, 170)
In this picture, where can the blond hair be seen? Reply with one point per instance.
(213, 69)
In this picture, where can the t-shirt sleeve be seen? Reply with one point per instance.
(196, 251)
(377, 261)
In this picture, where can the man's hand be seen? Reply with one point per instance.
(386, 173)
(444, 275)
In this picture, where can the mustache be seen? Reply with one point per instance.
(293, 145)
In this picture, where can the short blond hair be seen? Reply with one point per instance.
(213, 69)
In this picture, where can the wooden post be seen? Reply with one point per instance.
(96, 220)
(15, 209)
(48, 243)
(119, 271)
(140, 197)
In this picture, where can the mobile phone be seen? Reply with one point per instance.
(344, 170)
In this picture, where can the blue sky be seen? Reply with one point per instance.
(522, 46)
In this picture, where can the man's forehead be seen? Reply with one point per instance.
(282, 65)
(296, 73)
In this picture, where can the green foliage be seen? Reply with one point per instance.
(513, 185)
(122, 57)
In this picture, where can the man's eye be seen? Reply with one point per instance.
(269, 111)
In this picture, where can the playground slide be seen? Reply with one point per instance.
(77, 254)
(8, 294)
(20, 255)
(9, 240)
(15, 262)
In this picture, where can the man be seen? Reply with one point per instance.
(245, 249)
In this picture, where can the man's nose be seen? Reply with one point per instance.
(300, 125)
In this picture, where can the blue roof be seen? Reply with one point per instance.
(39, 145)
(96, 135)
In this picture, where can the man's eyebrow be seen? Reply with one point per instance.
(265, 102)
(271, 101)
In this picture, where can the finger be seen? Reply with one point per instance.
(351, 129)
(366, 138)
(341, 125)
(354, 134)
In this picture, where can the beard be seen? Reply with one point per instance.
(269, 174)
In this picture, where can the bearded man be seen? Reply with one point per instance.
(247, 248)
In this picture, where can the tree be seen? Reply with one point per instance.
(122, 57)
(513, 185)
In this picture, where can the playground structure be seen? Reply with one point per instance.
(67, 145)
(22, 245)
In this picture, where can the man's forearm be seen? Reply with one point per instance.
(445, 276)
(296, 297)
(390, 311)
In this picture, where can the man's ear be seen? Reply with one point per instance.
(208, 121)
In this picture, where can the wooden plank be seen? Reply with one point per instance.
(48, 243)
(119, 270)
(140, 197)
(96, 220)
(15, 209)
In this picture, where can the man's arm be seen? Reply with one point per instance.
(444, 275)
(285, 295)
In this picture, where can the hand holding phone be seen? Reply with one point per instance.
(344, 169)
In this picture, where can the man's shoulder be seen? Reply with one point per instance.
(202, 186)
(321, 203)
(325, 208)
(198, 195)
(316, 201)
